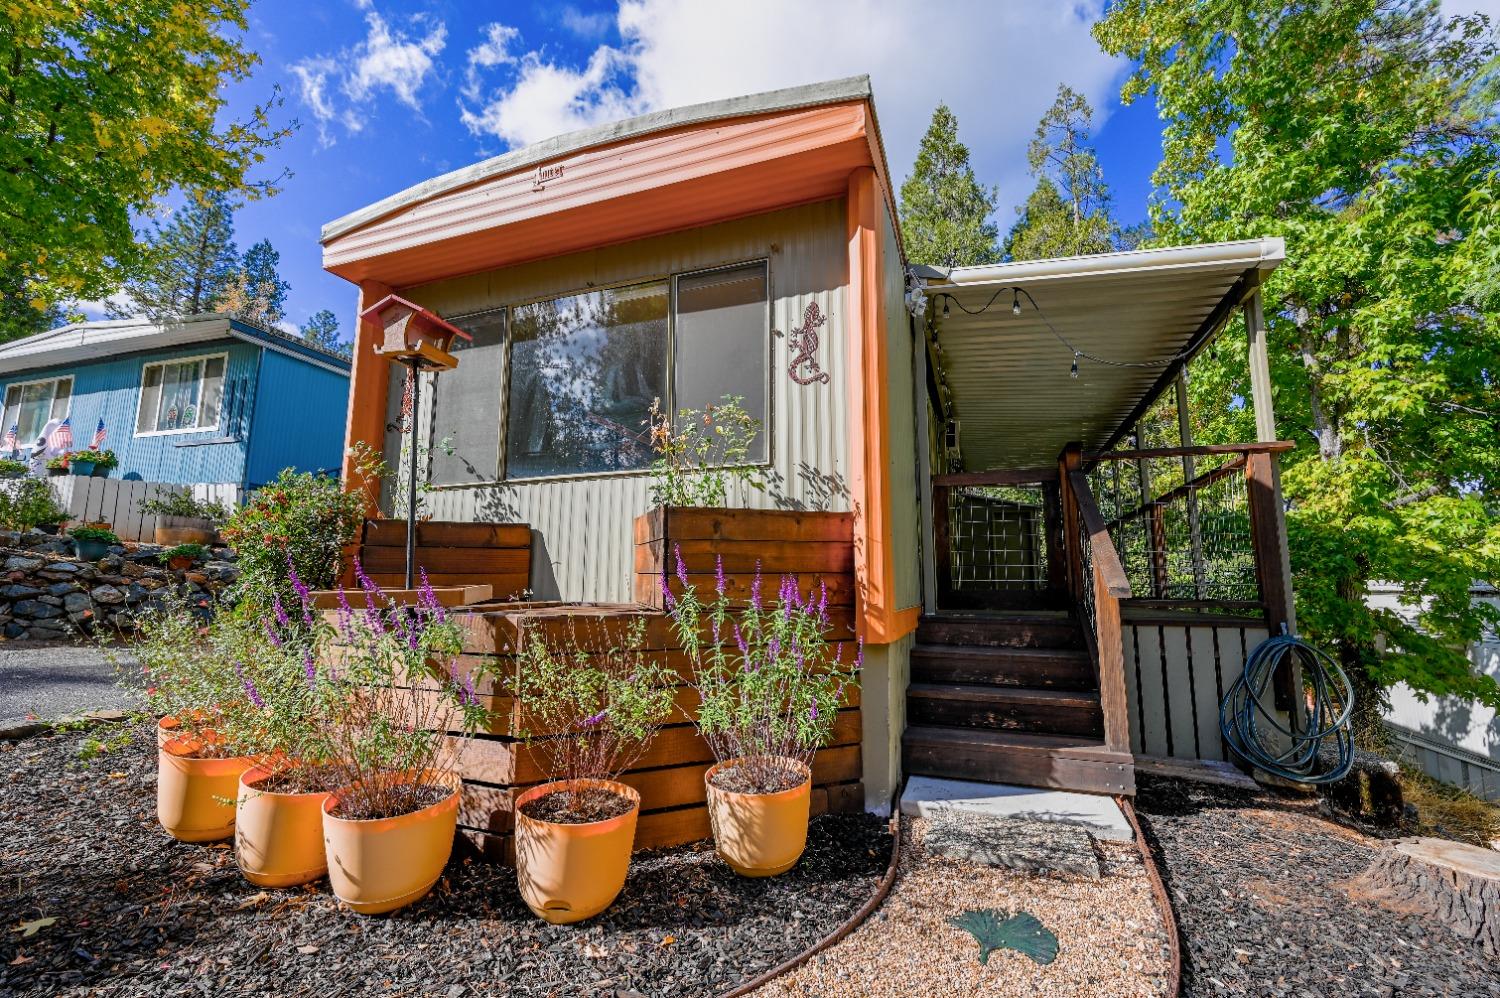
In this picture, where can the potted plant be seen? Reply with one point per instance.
(589, 708)
(57, 464)
(207, 705)
(701, 452)
(278, 828)
(10, 468)
(92, 543)
(181, 519)
(769, 686)
(81, 463)
(181, 557)
(105, 461)
(32, 506)
(388, 829)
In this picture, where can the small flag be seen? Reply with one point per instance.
(62, 437)
(12, 438)
(98, 435)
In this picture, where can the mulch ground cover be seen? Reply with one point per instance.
(1260, 887)
(135, 913)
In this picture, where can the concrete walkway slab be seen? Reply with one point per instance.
(1098, 815)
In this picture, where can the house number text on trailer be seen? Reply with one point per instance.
(546, 175)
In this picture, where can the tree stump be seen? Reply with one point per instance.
(1457, 884)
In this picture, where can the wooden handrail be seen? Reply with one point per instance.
(1106, 558)
(1202, 481)
(1202, 450)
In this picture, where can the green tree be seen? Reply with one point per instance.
(261, 277)
(1351, 129)
(104, 109)
(945, 211)
(1068, 214)
(189, 264)
(321, 330)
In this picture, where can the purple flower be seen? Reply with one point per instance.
(812, 712)
(310, 668)
(859, 657)
(273, 636)
(281, 617)
(429, 598)
(681, 568)
(470, 697)
(303, 594)
(666, 591)
(720, 583)
(346, 613)
(773, 650)
(739, 639)
(589, 722)
(755, 602)
(250, 690)
(788, 596)
(822, 601)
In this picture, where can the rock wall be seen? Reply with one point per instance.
(46, 593)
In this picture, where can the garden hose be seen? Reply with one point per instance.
(1256, 734)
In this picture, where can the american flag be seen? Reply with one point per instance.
(12, 437)
(62, 437)
(98, 435)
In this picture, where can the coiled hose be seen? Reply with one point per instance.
(1256, 735)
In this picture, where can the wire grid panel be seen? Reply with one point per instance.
(997, 538)
(1180, 541)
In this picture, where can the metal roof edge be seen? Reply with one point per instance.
(1264, 254)
(787, 99)
(248, 332)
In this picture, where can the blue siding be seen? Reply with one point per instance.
(300, 412)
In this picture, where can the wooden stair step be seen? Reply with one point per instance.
(1030, 630)
(1062, 668)
(1034, 760)
(1061, 712)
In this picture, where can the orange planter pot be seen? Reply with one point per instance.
(195, 797)
(760, 835)
(567, 873)
(382, 864)
(278, 837)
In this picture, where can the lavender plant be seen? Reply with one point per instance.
(700, 452)
(768, 680)
(589, 706)
(394, 693)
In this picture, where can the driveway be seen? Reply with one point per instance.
(49, 680)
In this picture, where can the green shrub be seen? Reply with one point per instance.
(700, 452)
(29, 504)
(11, 469)
(99, 534)
(58, 463)
(183, 504)
(194, 551)
(300, 521)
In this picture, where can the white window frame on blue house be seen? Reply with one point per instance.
(199, 425)
(13, 410)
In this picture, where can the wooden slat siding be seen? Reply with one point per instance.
(392, 533)
(699, 524)
(773, 557)
(454, 554)
(738, 587)
(492, 808)
(505, 586)
(450, 561)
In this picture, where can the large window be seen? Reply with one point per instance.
(584, 371)
(30, 405)
(721, 342)
(179, 396)
(466, 407)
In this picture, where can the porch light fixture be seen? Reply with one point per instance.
(418, 340)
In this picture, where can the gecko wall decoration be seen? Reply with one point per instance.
(803, 342)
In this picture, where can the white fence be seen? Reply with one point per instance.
(116, 501)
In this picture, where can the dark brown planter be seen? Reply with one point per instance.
(174, 530)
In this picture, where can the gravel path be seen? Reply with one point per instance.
(51, 680)
(1258, 883)
(1112, 943)
(139, 914)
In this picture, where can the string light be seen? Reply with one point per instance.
(1015, 303)
(946, 313)
(1074, 371)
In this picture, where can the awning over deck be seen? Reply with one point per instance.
(1008, 378)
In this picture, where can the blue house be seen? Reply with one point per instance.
(203, 400)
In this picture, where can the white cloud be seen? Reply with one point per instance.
(997, 64)
(588, 26)
(493, 51)
(386, 59)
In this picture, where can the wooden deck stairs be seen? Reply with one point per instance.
(1009, 698)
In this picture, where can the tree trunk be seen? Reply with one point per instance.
(1454, 883)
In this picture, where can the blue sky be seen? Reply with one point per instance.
(390, 92)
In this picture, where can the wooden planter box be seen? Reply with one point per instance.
(813, 547)
(174, 530)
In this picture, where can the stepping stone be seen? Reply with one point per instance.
(1094, 813)
(1012, 843)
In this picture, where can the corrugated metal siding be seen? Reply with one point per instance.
(905, 513)
(112, 390)
(298, 419)
(584, 548)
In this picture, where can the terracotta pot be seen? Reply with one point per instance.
(278, 837)
(195, 797)
(180, 562)
(571, 872)
(379, 865)
(760, 835)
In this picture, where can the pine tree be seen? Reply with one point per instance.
(264, 283)
(945, 211)
(1069, 212)
(322, 331)
(190, 261)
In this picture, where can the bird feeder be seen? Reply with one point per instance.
(417, 340)
(413, 335)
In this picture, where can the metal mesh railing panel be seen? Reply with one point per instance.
(997, 538)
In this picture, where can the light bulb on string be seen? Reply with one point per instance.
(1074, 371)
(945, 306)
(1015, 303)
